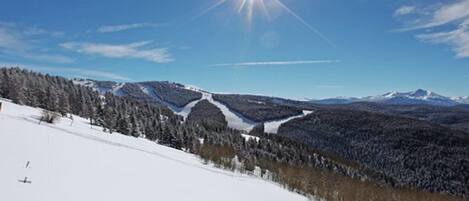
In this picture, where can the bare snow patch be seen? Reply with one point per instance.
(249, 137)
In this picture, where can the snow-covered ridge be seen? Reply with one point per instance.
(77, 162)
(113, 87)
(462, 100)
(419, 96)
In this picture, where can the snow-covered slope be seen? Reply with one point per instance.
(235, 120)
(78, 162)
(273, 126)
(419, 96)
(462, 100)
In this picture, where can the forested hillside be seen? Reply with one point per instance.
(208, 115)
(173, 93)
(408, 152)
(256, 109)
(456, 117)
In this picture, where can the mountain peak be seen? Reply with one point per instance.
(421, 93)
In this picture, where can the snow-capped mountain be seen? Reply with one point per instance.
(419, 96)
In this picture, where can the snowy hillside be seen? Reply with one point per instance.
(79, 162)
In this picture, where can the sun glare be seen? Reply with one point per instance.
(250, 8)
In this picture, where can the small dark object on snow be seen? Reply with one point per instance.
(25, 180)
(27, 164)
(49, 116)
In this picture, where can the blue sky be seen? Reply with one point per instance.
(287, 48)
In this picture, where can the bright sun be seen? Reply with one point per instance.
(264, 7)
(250, 6)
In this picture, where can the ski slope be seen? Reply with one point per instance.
(235, 120)
(273, 126)
(79, 162)
(182, 111)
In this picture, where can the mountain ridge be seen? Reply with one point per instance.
(419, 96)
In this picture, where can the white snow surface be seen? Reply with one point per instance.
(272, 126)
(235, 120)
(77, 163)
(249, 137)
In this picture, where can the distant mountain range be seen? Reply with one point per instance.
(416, 97)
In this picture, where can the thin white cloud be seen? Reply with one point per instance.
(73, 70)
(437, 15)
(125, 27)
(138, 50)
(452, 21)
(16, 41)
(278, 63)
(449, 13)
(458, 39)
(405, 10)
(34, 31)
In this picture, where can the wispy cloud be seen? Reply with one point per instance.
(450, 19)
(405, 10)
(138, 50)
(85, 73)
(278, 63)
(16, 41)
(125, 27)
(34, 31)
(458, 39)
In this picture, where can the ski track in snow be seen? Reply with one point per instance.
(273, 126)
(236, 121)
(80, 162)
